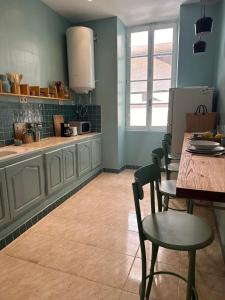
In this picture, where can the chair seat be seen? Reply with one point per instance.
(168, 187)
(174, 156)
(173, 167)
(177, 231)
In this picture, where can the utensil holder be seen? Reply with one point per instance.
(28, 138)
(16, 88)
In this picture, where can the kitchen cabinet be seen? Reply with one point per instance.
(96, 153)
(31, 182)
(84, 158)
(4, 205)
(54, 171)
(26, 185)
(69, 164)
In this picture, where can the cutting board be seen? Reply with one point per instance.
(19, 129)
(58, 119)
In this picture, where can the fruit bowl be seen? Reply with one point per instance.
(207, 136)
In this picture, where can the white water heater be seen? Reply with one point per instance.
(80, 53)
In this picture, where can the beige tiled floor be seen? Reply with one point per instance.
(88, 249)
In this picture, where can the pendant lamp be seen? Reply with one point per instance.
(199, 47)
(204, 24)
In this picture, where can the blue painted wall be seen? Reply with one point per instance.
(110, 93)
(140, 145)
(121, 91)
(106, 86)
(33, 41)
(198, 69)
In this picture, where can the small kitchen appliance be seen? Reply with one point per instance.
(74, 130)
(82, 126)
(66, 130)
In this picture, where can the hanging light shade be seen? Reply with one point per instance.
(199, 47)
(204, 25)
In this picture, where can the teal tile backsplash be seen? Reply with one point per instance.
(11, 112)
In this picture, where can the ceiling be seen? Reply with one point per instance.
(131, 12)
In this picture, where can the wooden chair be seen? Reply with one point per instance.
(175, 231)
(168, 187)
(169, 166)
(168, 139)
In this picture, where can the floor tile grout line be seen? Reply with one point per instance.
(60, 271)
(131, 267)
(132, 293)
(80, 221)
(84, 244)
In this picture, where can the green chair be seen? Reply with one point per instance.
(168, 139)
(169, 166)
(170, 230)
(168, 187)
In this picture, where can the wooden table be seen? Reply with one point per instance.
(201, 176)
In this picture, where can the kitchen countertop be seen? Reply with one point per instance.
(200, 176)
(43, 144)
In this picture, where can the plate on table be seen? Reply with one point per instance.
(215, 150)
(204, 145)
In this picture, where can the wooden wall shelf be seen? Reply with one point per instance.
(35, 97)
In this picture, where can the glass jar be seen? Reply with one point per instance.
(6, 87)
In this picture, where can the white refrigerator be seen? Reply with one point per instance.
(182, 101)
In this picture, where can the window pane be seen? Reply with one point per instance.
(162, 66)
(138, 86)
(160, 97)
(139, 43)
(159, 85)
(137, 115)
(139, 69)
(163, 40)
(138, 98)
(159, 114)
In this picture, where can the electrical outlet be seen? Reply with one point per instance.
(23, 100)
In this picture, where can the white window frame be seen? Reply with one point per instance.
(150, 28)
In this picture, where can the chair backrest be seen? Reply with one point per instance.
(146, 175)
(165, 147)
(157, 156)
(168, 138)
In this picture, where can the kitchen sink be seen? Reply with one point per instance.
(6, 153)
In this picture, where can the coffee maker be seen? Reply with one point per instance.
(66, 130)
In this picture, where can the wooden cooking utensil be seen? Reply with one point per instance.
(58, 119)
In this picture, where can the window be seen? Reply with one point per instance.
(151, 73)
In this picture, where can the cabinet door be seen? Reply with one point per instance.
(54, 171)
(84, 158)
(69, 164)
(25, 182)
(96, 153)
(4, 204)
